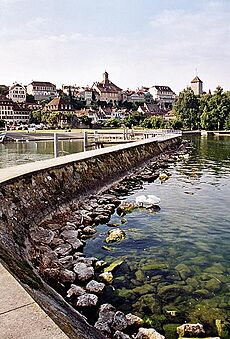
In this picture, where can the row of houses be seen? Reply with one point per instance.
(104, 90)
(155, 100)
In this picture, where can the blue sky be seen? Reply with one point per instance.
(139, 42)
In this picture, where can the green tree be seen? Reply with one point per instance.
(36, 117)
(134, 119)
(154, 121)
(113, 122)
(187, 109)
(215, 110)
(227, 123)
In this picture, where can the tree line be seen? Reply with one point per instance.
(207, 111)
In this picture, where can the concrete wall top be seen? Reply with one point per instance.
(20, 170)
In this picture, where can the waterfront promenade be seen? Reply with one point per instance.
(20, 316)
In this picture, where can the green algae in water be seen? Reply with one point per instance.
(114, 265)
(182, 251)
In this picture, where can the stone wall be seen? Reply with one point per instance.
(28, 198)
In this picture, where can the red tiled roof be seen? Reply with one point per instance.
(58, 102)
(107, 86)
(42, 83)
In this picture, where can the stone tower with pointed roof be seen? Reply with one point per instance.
(197, 86)
(106, 90)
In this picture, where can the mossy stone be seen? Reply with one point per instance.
(144, 289)
(124, 293)
(203, 293)
(212, 285)
(139, 275)
(184, 271)
(216, 268)
(156, 278)
(171, 292)
(156, 321)
(114, 265)
(153, 265)
(147, 304)
(199, 260)
(192, 282)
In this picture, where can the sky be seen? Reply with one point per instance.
(138, 42)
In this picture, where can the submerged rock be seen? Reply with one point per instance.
(184, 271)
(114, 265)
(126, 207)
(115, 235)
(171, 292)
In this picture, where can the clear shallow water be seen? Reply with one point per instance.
(17, 153)
(179, 258)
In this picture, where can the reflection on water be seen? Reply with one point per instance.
(177, 262)
(16, 153)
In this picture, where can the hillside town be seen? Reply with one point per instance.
(41, 102)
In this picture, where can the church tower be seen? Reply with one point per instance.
(197, 86)
(106, 78)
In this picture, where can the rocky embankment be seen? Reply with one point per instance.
(56, 249)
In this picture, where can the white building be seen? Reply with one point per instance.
(163, 95)
(17, 93)
(42, 90)
(6, 109)
(13, 113)
(133, 96)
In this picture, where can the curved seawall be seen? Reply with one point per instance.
(30, 193)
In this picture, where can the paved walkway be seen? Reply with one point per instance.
(20, 316)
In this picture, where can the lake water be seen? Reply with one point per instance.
(16, 153)
(176, 265)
